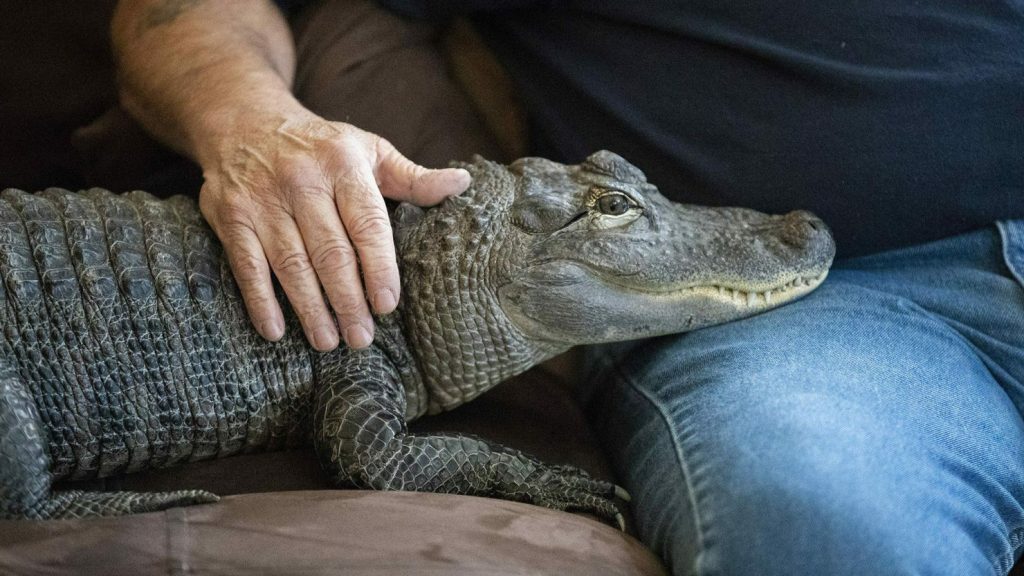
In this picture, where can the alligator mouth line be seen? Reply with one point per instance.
(797, 287)
(777, 294)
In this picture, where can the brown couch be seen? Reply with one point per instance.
(280, 516)
(61, 127)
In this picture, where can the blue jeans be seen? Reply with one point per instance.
(873, 427)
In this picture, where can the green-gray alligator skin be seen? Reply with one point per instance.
(126, 346)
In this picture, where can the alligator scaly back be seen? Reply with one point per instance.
(122, 325)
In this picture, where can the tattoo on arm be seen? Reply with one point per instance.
(165, 12)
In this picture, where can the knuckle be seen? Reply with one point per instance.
(343, 152)
(234, 211)
(272, 204)
(350, 180)
(344, 147)
(383, 148)
(381, 272)
(236, 238)
(310, 313)
(290, 263)
(350, 310)
(248, 268)
(304, 191)
(309, 307)
(333, 254)
(368, 225)
(260, 305)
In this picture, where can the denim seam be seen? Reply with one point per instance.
(1005, 561)
(1009, 236)
(680, 458)
(1013, 247)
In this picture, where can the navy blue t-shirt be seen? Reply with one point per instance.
(896, 122)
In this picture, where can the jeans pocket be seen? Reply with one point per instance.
(1012, 232)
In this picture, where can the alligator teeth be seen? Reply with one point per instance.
(742, 297)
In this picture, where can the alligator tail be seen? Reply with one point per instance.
(25, 478)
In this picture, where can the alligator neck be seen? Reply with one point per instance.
(462, 341)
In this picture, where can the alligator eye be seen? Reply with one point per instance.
(613, 204)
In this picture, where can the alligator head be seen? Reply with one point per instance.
(550, 256)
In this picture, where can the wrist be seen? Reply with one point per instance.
(214, 126)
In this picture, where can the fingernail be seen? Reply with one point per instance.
(325, 339)
(357, 337)
(272, 330)
(384, 301)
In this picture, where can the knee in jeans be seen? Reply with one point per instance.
(800, 516)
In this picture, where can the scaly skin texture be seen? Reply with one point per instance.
(126, 345)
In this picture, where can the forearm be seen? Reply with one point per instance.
(189, 68)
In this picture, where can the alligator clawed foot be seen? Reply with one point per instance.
(569, 488)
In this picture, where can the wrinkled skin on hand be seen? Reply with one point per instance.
(303, 198)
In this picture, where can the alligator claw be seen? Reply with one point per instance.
(621, 494)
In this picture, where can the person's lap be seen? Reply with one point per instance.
(872, 427)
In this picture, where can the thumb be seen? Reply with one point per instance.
(404, 180)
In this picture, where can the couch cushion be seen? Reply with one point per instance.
(328, 532)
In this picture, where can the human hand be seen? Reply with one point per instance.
(304, 197)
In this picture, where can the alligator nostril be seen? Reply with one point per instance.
(801, 228)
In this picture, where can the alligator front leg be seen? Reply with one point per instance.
(362, 440)
(25, 476)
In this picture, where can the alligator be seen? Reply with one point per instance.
(126, 345)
